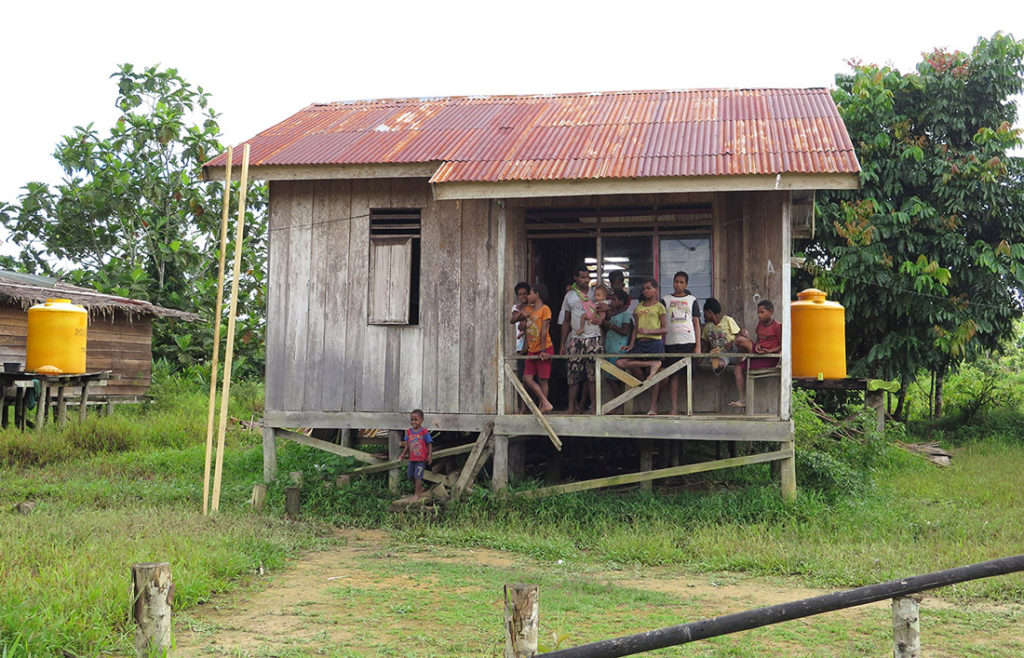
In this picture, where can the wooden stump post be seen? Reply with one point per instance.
(292, 501)
(296, 478)
(259, 496)
(62, 407)
(152, 591)
(906, 627)
(522, 614)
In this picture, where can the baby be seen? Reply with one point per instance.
(595, 311)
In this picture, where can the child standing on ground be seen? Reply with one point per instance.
(683, 328)
(650, 323)
(419, 447)
(769, 341)
(539, 345)
(722, 334)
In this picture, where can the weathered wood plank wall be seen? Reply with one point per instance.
(322, 354)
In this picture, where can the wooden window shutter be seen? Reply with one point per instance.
(390, 263)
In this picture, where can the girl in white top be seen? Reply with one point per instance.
(683, 327)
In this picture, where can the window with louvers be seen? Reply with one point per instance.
(394, 267)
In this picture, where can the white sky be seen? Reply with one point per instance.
(263, 61)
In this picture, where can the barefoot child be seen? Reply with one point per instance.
(683, 328)
(419, 447)
(722, 334)
(650, 323)
(539, 345)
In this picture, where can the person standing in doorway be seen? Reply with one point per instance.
(579, 370)
(683, 329)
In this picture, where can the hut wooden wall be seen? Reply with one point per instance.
(115, 342)
(322, 355)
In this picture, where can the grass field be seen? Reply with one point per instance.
(112, 492)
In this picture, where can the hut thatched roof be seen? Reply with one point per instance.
(30, 289)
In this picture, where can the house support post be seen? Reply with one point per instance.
(269, 454)
(394, 450)
(646, 461)
(787, 471)
(875, 400)
(517, 460)
(499, 477)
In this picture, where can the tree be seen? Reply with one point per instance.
(927, 257)
(132, 216)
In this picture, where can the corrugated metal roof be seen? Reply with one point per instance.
(707, 132)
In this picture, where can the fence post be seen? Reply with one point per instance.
(152, 591)
(906, 627)
(522, 613)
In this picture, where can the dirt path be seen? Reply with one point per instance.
(299, 611)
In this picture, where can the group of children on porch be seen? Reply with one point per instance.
(604, 319)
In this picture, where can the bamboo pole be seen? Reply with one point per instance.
(229, 350)
(211, 411)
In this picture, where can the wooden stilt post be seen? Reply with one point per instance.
(152, 591)
(229, 350)
(269, 454)
(522, 616)
(85, 401)
(345, 437)
(41, 408)
(906, 627)
(499, 477)
(212, 407)
(787, 472)
(646, 461)
(394, 450)
(62, 407)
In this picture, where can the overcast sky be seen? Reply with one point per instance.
(263, 61)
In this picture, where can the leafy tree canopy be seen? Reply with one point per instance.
(133, 217)
(928, 256)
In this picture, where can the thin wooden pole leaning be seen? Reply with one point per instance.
(211, 411)
(511, 374)
(229, 350)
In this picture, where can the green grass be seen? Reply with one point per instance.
(114, 491)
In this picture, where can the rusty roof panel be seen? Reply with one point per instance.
(702, 132)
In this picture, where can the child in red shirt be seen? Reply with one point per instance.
(419, 447)
(769, 341)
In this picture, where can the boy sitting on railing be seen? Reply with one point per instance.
(769, 341)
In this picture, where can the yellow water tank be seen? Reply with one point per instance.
(819, 336)
(57, 332)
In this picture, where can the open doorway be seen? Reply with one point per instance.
(642, 243)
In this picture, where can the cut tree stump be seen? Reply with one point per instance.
(152, 592)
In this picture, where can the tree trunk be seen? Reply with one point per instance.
(901, 405)
(940, 378)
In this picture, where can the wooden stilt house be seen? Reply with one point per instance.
(398, 229)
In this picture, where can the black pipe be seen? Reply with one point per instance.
(742, 621)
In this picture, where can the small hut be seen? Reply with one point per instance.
(120, 338)
(399, 227)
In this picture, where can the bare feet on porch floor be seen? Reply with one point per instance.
(740, 404)
(545, 408)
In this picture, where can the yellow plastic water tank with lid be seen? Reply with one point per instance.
(819, 336)
(57, 333)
